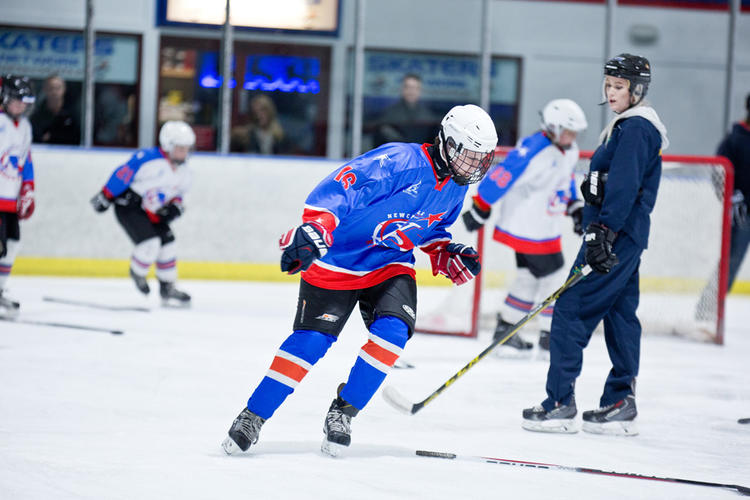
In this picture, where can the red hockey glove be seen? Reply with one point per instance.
(300, 246)
(458, 262)
(26, 200)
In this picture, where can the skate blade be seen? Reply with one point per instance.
(171, 304)
(331, 449)
(622, 428)
(559, 426)
(230, 447)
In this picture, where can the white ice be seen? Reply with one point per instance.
(89, 415)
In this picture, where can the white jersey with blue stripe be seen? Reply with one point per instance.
(151, 175)
(534, 185)
(15, 160)
(379, 207)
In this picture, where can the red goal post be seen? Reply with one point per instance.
(684, 271)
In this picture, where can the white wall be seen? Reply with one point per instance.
(561, 44)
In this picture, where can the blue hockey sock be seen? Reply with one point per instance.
(296, 356)
(388, 336)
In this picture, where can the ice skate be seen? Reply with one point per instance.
(514, 347)
(171, 296)
(244, 432)
(337, 427)
(560, 419)
(140, 283)
(9, 308)
(616, 419)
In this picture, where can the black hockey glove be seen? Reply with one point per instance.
(300, 246)
(170, 211)
(458, 262)
(475, 217)
(575, 211)
(592, 187)
(599, 240)
(739, 209)
(100, 202)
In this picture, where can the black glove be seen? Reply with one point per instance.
(592, 187)
(100, 202)
(575, 211)
(739, 209)
(170, 211)
(300, 246)
(475, 217)
(599, 240)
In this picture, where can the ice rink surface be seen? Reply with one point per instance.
(90, 415)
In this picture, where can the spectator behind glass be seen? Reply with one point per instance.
(263, 134)
(408, 120)
(52, 122)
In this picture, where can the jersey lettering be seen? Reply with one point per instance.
(345, 177)
(501, 177)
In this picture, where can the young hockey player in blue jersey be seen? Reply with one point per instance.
(536, 187)
(360, 227)
(16, 176)
(147, 192)
(620, 192)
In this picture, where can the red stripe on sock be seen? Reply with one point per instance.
(288, 368)
(381, 354)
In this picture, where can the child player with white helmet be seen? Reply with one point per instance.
(147, 192)
(533, 187)
(356, 245)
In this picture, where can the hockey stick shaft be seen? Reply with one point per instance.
(94, 305)
(586, 470)
(574, 278)
(70, 326)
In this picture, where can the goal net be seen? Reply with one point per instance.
(683, 273)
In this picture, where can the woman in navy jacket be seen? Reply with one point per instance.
(620, 192)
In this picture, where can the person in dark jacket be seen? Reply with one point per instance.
(52, 121)
(409, 119)
(736, 148)
(620, 193)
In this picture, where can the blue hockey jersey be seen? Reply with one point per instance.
(378, 208)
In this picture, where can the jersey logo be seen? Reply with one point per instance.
(413, 189)
(393, 234)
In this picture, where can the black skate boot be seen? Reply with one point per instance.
(9, 308)
(617, 418)
(172, 297)
(560, 419)
(544, 345)
(140, 283)
(244, 432)
(337, 427)
(515, 346)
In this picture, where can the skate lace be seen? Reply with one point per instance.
(249, 425)
(338, 421)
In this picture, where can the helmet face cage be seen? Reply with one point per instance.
(467, 166)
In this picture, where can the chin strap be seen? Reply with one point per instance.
(441, 167)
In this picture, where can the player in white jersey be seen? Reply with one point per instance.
(16, 176)
(535, 186)
(147, 192)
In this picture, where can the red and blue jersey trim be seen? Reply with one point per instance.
(330, 279)
(527, 245)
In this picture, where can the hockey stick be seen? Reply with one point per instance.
(743, 490)
(62, 325)
(395, 399)
(94, 305)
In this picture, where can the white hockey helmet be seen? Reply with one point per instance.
(563, 114)
(176, 133)
(467, 143)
